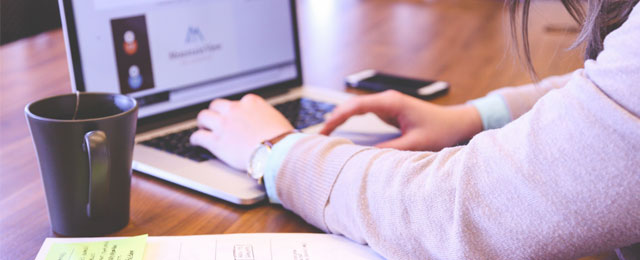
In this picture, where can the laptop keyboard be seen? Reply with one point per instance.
(301, 113)
(304, 112)
(178, 143)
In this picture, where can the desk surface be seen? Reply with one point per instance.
(463, 42)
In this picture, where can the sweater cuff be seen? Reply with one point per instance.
(308, 174)
(493, 110)
(274, 161)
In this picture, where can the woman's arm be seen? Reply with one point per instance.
(559, 182)
(502, 106)
(521, 99)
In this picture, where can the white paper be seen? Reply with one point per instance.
(262, 246)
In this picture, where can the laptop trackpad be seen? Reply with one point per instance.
(367, 130)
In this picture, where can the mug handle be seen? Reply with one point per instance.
(96, 146)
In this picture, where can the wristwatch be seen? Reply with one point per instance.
(258, 160)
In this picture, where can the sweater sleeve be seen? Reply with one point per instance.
(278, 153)
(493, 111)
(521, 99)
(559, 182)
(502, 106)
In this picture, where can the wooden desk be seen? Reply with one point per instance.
(463, 42)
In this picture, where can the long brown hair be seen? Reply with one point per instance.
(599, 19)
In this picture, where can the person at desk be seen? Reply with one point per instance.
(551, 170)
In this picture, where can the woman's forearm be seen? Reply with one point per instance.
(528, 190)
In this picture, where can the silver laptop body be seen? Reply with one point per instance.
(176, 56)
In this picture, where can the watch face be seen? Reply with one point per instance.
(258, 162)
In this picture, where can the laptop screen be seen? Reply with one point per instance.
(170, 54)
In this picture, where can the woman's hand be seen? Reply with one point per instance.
(424, 126)
(231, 130)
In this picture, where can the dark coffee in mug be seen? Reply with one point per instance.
(84, 144)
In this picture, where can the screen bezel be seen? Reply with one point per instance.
(77, 70)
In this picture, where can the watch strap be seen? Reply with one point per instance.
(271, 142)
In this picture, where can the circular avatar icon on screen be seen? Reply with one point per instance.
(130, 44)
(135, 79)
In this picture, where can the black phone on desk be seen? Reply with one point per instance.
(373, 80)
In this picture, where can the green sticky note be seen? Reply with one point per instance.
(131, 248)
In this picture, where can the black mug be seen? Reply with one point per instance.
(84, 144)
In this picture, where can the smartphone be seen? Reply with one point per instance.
(373, 80)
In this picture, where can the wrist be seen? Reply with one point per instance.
(470, 119)
(493, 110)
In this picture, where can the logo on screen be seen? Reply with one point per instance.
(130, 44)
(135, 79)
(194, 35)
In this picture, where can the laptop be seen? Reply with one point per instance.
(175, 56)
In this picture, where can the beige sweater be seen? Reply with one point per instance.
(560, 181)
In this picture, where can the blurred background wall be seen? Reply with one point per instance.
(23, 18)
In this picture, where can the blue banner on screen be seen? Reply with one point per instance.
(131, 46)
